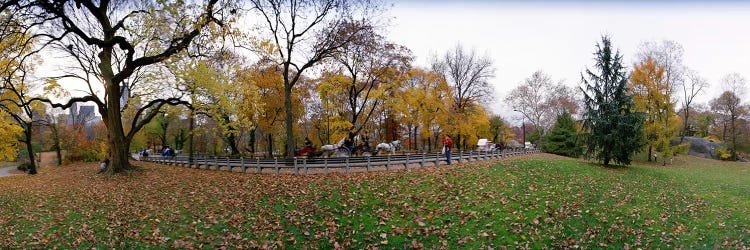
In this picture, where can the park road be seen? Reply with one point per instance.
(5, 171)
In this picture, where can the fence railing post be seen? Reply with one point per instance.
(368, 163)
(242, 163)
(304, 164)
(421, 163)
(347, 165)
(388, 163)
(228, 166)
(276, 164)
(325, 165)
(257, 164)
(406, 165)
(296, 168)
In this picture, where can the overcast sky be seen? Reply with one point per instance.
(559, 37)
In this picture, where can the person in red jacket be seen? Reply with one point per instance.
(447, 146)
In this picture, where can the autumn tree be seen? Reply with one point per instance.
(264, 82)
(111, 43)
(612, 130)
(157, 128)
(9, 132)
(730, 110)
(468, 74)
(652, 95)
(500, 129)
(704, 120)
(16, 85)
(371, 66)
(306, 32)
(420, 105)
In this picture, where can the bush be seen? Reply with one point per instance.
(87, 151)
(723, 153)
(682, 148)
(23, 153)
(712, 138)
(81, 149)
(24, 166)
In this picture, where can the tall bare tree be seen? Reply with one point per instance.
(693, 86)
(468, 73)
(667, 54)
(530, 98)
(306, 32)
(112, 43)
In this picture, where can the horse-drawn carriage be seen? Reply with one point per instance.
(344, 149)
(339, 149)
(484, 145)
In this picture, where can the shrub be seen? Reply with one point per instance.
(723, 153)
(712, 138)
(682, 149)
(81, 149)
(24, 166)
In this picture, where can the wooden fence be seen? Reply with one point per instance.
(302, 165)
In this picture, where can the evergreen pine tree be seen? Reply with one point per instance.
(562, 138)
(612, 129)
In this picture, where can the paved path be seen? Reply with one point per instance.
(6, 171)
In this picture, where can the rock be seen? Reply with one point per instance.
(700, 147)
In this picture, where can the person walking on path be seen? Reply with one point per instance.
(447, 146)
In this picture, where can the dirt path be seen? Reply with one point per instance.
(5, 171)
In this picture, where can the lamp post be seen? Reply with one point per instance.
(523, 128)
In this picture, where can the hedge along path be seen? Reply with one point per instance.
(345, 165)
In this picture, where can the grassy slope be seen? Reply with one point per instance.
(528, 202)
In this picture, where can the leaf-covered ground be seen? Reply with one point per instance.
(530, 202)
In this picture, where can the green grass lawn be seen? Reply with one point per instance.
(530, 202)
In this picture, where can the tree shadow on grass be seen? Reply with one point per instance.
(616, 167)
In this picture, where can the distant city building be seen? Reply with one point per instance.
(124, 96)
(84, 115)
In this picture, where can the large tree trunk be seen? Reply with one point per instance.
(270, 145)
(685, 125)
(251, 141)
(56, 142)
(458, 141)
(289, 121)
(191, 137)
(232, 141)
(119, 145)
(30, 149)
(650, 152)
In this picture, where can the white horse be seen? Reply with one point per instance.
(330, 149)
(390, 147)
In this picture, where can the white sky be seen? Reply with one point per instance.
(559, 37)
